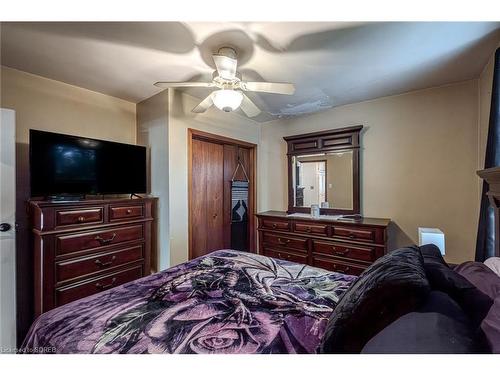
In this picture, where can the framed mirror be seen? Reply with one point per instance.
(323, 169)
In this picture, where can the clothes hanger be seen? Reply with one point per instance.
(236, 170)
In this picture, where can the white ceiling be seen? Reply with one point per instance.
(330, 63)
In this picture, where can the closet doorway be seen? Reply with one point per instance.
(222, 193)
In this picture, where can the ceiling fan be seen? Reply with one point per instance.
(230, 95)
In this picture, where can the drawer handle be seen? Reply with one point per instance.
(106, 286)
(341, 270)
(340, 252)
(129, 211)
(308, 229)
(81, 219)
(105, 241)
(281, 256)
(274, 226)
(352, 235)
(105, 264)
(283, 242)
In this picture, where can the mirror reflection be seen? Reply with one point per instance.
(325, 179)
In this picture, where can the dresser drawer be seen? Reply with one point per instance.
(81, 216)
(337, 266)
(355, 234)
(70, 269)
(290, 242)
(352, 251)
(308, 144)
(274, 224)
(126, 212)
(310, 228)
(88, 240)
(285, 255)
(86, 288)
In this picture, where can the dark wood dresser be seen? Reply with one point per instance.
(84, 247)
(340, 246)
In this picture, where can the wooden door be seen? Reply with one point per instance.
(207, 197)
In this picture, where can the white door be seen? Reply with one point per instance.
(7, 231)
(313, 180)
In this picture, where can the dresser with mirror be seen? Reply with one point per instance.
(324, 170)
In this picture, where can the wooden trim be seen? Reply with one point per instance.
(356, 197)
(348, 129)
(252, 195)
(252, 191)
(215, 138)
(190, 172)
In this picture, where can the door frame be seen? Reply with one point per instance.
(252, 191)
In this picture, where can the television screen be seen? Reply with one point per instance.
(63, 164)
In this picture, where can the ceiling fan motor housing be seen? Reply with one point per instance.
(228, 52)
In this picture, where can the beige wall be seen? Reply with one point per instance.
(340, 178)
(418, 161)
(50, 105)
(152, 131)
(213, 121)
(45, 104)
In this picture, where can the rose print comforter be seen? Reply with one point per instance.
(225, 302)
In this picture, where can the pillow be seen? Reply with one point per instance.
(475, 303)
(392, 286)
(432, 255)
(481, 276)
(491, 326)
(439, 327)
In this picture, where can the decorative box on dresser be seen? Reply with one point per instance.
(84, 247)
(340, 246)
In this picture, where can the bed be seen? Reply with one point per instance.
(224, 302)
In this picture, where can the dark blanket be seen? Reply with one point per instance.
(226, 302)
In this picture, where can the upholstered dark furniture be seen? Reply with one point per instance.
(391, 287)
(475, 303)
(411, 301)
(439, 326)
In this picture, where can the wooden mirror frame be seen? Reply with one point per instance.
(342, 139)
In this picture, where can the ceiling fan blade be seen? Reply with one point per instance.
(249, 108)
(226, 66)
(166, 85)
(270, 87)
(204, 105)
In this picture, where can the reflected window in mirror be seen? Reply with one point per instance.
(325, 179)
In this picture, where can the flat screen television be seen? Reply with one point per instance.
(68, 165)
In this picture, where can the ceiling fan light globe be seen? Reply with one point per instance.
(227, 100)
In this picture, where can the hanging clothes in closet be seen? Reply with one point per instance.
(239, 211)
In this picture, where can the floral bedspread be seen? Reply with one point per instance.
(225, 302)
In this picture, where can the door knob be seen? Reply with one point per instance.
(5, 227)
